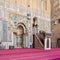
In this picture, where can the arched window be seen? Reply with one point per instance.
(43, 4)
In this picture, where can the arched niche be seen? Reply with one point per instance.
(23, 26)
(21, 33)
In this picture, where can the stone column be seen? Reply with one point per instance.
(12, 39)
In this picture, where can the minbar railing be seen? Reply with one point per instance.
(38, 43)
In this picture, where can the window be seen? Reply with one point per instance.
(55, 22)
(41, 4)
(58, 20)
(45, 4)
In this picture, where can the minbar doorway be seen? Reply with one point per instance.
(58, 42)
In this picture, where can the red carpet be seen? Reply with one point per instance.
(30, 54)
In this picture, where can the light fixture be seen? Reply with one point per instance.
(28, 13)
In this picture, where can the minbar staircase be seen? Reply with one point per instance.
(39, 43)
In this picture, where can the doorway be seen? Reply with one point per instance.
(20, 35)
(58, 42)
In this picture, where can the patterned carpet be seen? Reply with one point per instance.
(30, 54)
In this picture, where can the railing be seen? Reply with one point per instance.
(38, 43)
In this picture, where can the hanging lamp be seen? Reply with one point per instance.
(28, 11)
(15, 22)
